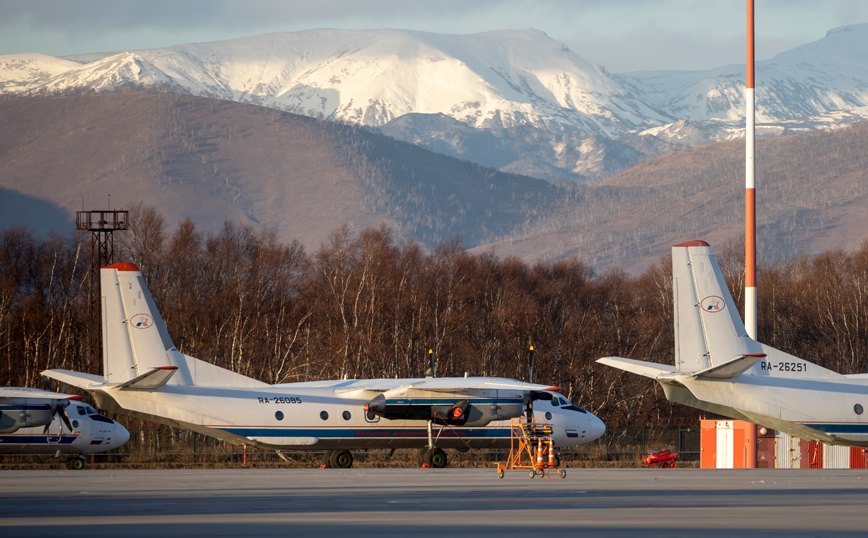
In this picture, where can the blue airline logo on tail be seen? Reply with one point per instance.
(141, 321)
(713, 303)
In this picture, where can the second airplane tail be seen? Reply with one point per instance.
(710, 339)
(709, 332)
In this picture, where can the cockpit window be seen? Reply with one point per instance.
(564, 401)
(81, 410)
(556, 402)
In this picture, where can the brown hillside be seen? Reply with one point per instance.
(234, 162)
(812, 195)
(216, 160)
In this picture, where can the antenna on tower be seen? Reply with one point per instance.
(102, 225)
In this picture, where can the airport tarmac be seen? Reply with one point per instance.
(434, 502)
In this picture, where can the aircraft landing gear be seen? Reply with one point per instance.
(434, 457)
(338, 459)
(431, 455)
(78, 463)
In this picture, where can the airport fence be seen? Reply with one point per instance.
(165, 447)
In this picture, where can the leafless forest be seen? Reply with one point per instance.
(369, 305)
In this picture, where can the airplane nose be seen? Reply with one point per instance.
(120, 436)
(596, 428)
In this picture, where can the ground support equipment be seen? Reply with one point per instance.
(660, 459)
(531, 448)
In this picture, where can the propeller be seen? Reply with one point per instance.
(65, 419)
(59, 409)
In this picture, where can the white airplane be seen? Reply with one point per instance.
(720, 369)
(32, 421)
(145, 376)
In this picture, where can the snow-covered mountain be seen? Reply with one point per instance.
(828, 75)
(516, 100)
(489, 80)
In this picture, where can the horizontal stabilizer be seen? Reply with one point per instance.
(643, 368)
(152, 380)
(732, 368)
(76, 379)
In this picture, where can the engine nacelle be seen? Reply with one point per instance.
(458, 413)
(17, 413)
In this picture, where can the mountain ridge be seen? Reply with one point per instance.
(509, 86)
(214, 161)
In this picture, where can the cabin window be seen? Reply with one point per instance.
(324, 415)
(548, 415)
(75, 424)
(346, 415)
(858, 409)
(279, 415)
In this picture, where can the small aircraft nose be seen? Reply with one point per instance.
(596, 428)
(120, 436)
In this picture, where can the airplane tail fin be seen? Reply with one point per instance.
(135, 339)
(138, 352)
(710, 338)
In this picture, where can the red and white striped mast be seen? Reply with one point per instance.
(750, 187)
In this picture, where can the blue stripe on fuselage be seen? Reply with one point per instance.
(840, 428)
(36, 439)
(366, 433)
(449, 401)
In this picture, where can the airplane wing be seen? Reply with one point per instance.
(479, 383)
(470, 401)
(434, 384)
(17, 392)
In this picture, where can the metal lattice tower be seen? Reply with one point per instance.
(101, 225)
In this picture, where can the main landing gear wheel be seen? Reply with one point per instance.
(340, 459)
(76, 463)
(434, 457)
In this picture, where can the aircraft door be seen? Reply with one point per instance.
(54, 432)
(540, 407)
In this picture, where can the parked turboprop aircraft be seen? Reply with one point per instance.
(720, 369)
(32, 421)
(145, 376)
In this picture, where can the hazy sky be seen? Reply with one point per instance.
(623, 35)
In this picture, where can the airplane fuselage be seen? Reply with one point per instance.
(301, 416)
(800, 400)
